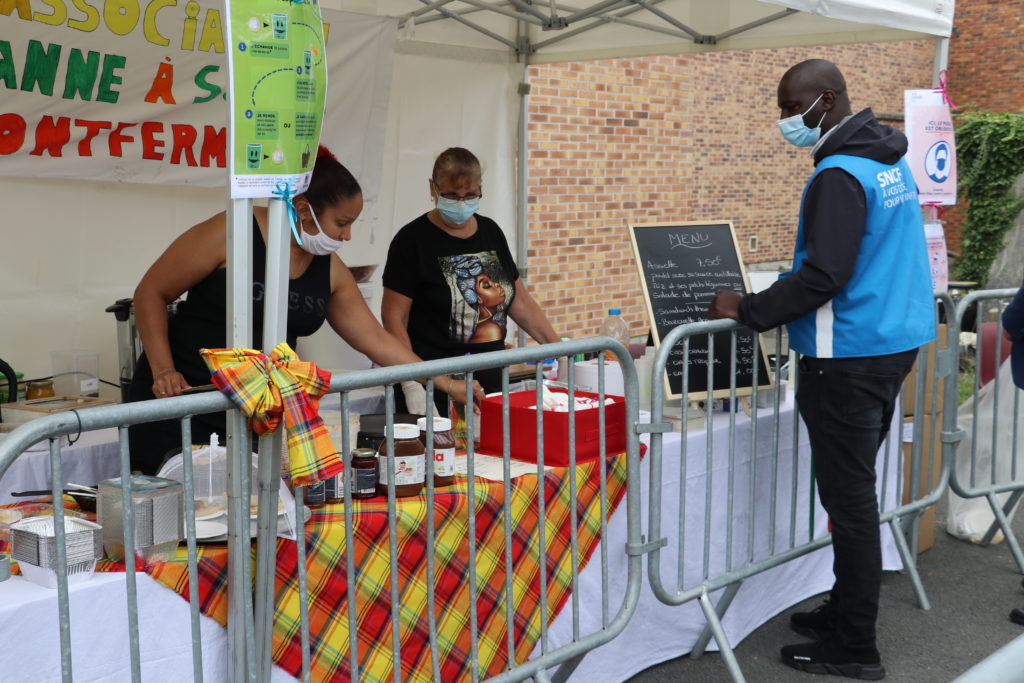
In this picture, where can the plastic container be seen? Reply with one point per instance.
(76, 373)
(615, 327)
(158, 513)
(523, 429)
(210, 488)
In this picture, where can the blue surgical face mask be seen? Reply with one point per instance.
(796, 131)
(457, 212)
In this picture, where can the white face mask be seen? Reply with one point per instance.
(318, 244)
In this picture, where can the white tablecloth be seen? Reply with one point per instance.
(661, 632)
(99, 634)
(92, 458)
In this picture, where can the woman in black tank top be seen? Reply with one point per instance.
(320, 288)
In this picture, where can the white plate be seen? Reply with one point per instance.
(207, 529)
(210, 508)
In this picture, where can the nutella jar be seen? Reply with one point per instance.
(409, 463)
(364, 473)
(444, 449)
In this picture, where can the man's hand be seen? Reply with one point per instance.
(726, 304)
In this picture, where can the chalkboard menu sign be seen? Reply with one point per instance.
(681, 266)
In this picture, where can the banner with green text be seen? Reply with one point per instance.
(278, 78)
(135, 90)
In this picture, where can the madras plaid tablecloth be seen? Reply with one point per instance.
(328, 590)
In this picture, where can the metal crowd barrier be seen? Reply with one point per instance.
(999, 404)
(760, 533)
(250, 614)
(53, 428)
(771, 537)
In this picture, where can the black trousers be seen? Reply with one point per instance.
(847, 405)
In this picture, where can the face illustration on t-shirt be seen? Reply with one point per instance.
(480, 297)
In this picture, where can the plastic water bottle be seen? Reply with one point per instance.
(615, 327)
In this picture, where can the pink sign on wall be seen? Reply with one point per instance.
(932, 153)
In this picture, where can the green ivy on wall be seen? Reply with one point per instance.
(990, 156)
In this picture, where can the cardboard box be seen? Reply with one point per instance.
(523, 429)
(929, 472)
(931, 406)
(20, 413)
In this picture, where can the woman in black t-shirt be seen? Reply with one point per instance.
(320, 287)
(450, 283)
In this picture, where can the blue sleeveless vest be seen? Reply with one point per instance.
(887, 306)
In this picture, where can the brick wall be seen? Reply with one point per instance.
(672, 138)
(986, 67)
(985, 54)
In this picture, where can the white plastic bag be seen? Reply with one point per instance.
(970, 518)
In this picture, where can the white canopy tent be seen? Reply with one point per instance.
(554, 31)
(478, 52)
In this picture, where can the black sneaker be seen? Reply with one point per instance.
(1017, 616)
(816, 624)
(830, 657)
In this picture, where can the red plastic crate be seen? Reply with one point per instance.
(523, 429)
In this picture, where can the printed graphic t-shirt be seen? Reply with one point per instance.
(461, 289)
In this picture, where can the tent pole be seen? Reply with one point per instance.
(941, 60)
(239, 334)
(522, 159)
(275, 330)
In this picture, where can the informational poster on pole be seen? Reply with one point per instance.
(277, 76)
(932, 153)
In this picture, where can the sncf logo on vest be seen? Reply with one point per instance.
(894, 190)
(886, 178)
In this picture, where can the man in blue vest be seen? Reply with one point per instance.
(857, 305)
